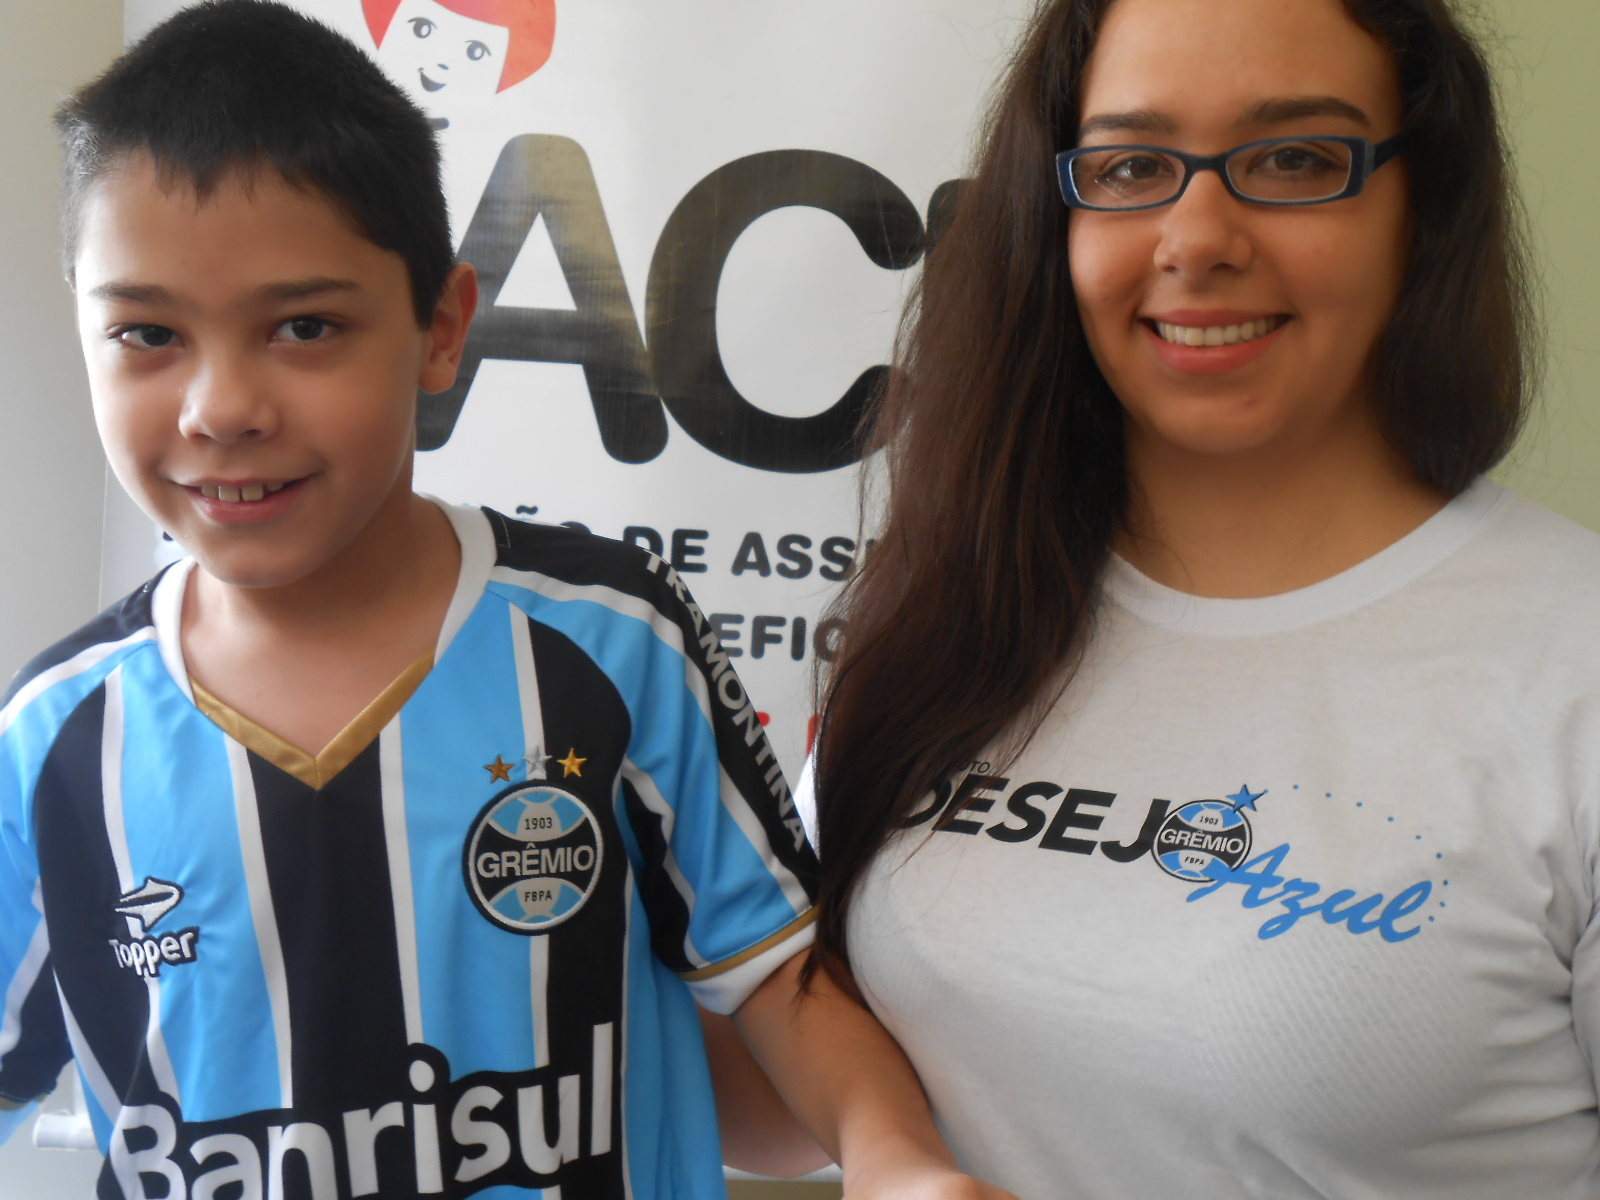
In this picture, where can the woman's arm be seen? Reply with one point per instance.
(849, 1083)
(759, 1133)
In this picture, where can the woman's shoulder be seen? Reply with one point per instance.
(1529, 567)
(1548, 547)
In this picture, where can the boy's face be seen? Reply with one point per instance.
(254, 363)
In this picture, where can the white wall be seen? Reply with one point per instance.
(51, 472)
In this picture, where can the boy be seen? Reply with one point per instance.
(370, 851)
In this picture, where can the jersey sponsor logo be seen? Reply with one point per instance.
(532, 858)
(1202, 842)
(147, 904)
(447, 1137)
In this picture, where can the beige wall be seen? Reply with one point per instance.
(1549, 58)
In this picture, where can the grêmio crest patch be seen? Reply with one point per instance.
(532, 858)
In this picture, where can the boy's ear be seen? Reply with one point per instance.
(447, 334)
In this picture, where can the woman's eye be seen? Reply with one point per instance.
(1292, 160)
(146, 337)
(304, 329)
(421, 26)
(1297, 160)
(1137, 169)
(477, 50)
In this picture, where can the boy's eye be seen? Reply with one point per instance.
(304, 329)
(477, 50)
(146, 337)
(421, 26)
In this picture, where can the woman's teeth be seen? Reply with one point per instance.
(249, 493)
(1216, 335)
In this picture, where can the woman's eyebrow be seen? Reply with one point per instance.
(1142, 120)
(1279, 109)
(1273, 111)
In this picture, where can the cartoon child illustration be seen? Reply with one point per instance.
(451, 54)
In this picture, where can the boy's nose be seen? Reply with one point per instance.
(224, 405)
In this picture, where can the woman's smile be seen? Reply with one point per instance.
(1220, 333)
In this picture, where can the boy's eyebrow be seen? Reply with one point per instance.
(291, 289)
(138, 293)
(1274, 111)
(299, 289)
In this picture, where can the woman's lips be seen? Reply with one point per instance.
(1222, 334)
(1210, 345)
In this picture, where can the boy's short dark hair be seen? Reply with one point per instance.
(231, 84)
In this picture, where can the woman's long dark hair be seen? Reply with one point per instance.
(1004, 445)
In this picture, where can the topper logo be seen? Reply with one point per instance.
(680, 369)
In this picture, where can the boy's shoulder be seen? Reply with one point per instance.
(128, 622)
(558, 558)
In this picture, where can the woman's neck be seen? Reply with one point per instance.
(1262, 523)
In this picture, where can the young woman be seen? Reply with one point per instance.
(1209, 786)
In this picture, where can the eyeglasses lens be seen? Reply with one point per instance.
(1128, 177)
(1293, 170)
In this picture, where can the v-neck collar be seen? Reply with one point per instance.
(472, 530)
(315, 770)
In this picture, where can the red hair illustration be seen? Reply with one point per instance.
(532, 24)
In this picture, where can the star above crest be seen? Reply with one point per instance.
(533, 762)
(1245, 798)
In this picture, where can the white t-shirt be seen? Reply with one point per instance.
(1360, 959)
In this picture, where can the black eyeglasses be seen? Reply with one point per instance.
(1287, 171)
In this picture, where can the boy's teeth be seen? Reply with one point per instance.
(1215, 335)
(249, 493)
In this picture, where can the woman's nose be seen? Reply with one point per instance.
(1205, 230)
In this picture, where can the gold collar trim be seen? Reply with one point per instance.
(316, 770)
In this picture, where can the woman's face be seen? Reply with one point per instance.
(1205, 76)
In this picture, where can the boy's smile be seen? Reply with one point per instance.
(254, 363)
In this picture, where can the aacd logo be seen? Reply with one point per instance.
(533, 858)
(1199, 834)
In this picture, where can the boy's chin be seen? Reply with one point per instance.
(255, 572)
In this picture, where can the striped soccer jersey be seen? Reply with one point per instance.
(456, 953)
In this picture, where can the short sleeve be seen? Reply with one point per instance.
(728, 876)
(33, 1038)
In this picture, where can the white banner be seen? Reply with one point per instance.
(695, 222)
